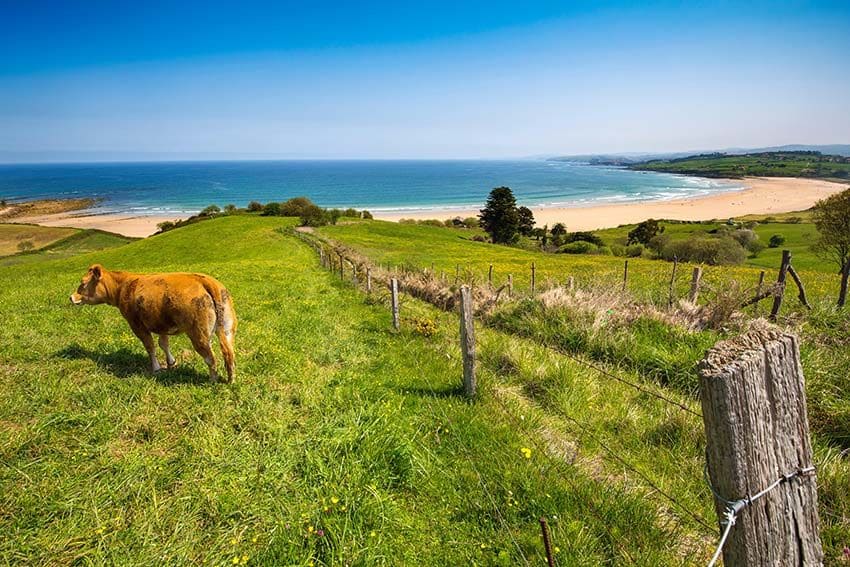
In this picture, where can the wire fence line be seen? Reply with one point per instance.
(733, 507)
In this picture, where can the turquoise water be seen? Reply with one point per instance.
(382, 186)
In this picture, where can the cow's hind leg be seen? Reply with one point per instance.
(163, 344)
(201, 342)
(150, 346)
(225, 338)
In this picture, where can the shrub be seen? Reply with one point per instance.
(634, 250)
(776, 241)
(294, 207)
(479, 238)
(585, 237)
(255, 207)
(705, 250)
(230, 209)
(165, 226)
(334, 215)
(579, 247)
(424, 327)
(471, 222)
(25, 245)
(210, 211)
(430, 222)
(604, 251)
(349, 212)
(618, 250)
(271, 209)
(744, 236)
(313, 215)
(755, 247)
(658, 243)
(794, 220)
(367, 215)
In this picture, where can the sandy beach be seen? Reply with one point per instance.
(136, 226)
(762, 195)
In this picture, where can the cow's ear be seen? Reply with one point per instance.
(96, 271)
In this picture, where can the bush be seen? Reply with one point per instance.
(430, 222)
(479, 238)
(165, 226)
(367, 215)
(794, 220)
(25, 245)
(776, 241)
(471, 222)
(644, 232)
(271, 209)
(295, 207)
(658, 243)
(705, 250)
(634, 250)
(755, 247)
(334, 215)
(579, 247)
(255, 207)
(349, 212)
(210, 211)
(230, 209)
(604, 251)
(618, 250)
(744, 236)
(585, 237)
(313, 215)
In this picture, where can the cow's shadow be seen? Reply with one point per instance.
(124, 362)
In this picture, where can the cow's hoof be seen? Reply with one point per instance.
(173, 365)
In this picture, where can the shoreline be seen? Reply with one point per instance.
(760, 195)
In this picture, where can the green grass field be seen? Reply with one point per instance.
(770, 164)
(53, 243)
(341, 442)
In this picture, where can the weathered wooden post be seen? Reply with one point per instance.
(368, 280)
(322, 256)
(341, 266)
(625, 275)
(467, 341)
(394, 297)
(490, 276)
(354, 274)
(802, 290)
(695, 278)
(671, 291)
(510, 285)
(780, 280)
(758, 449)
(533, 272)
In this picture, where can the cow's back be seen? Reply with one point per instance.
(170, 303)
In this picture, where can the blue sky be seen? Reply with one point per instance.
(155, 80)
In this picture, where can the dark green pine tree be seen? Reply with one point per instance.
(499, 217)
(526, 221)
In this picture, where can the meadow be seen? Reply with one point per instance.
(344, 442)
(341, 442)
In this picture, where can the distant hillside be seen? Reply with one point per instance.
(763, 164)
(629, 158)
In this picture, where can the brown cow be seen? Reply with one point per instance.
(167, 304)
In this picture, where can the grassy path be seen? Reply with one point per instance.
(340, 443)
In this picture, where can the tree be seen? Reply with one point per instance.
(255, 206)
(776, 241)
(499, 217)
(271, 209)
(526, 221)
(644, 232)
(210, 211)
(230, 209)
(558, 229)
(294, 207)
(832, 219)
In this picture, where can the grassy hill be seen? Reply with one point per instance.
(766, 164)
(52, 243)
(343, 442)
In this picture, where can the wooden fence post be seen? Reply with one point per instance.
(757, 436)
(510, 285)
(533, 278)
(695, 278)
(354, 274)
(467, 341)
(490, 276)
(783, 273)
(368, 280)
(625, 275)
(571, 283)
(394, 297)
(341, 266)
(671, 291)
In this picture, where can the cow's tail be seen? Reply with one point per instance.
(225, 325)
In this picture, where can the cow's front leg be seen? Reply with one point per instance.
(163, 344)
(147, 340)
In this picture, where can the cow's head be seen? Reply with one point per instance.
(92, 290)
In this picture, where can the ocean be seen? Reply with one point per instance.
(182, 188)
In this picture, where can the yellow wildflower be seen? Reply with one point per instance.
(236, 560)
(334, 500)
(526, 452)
